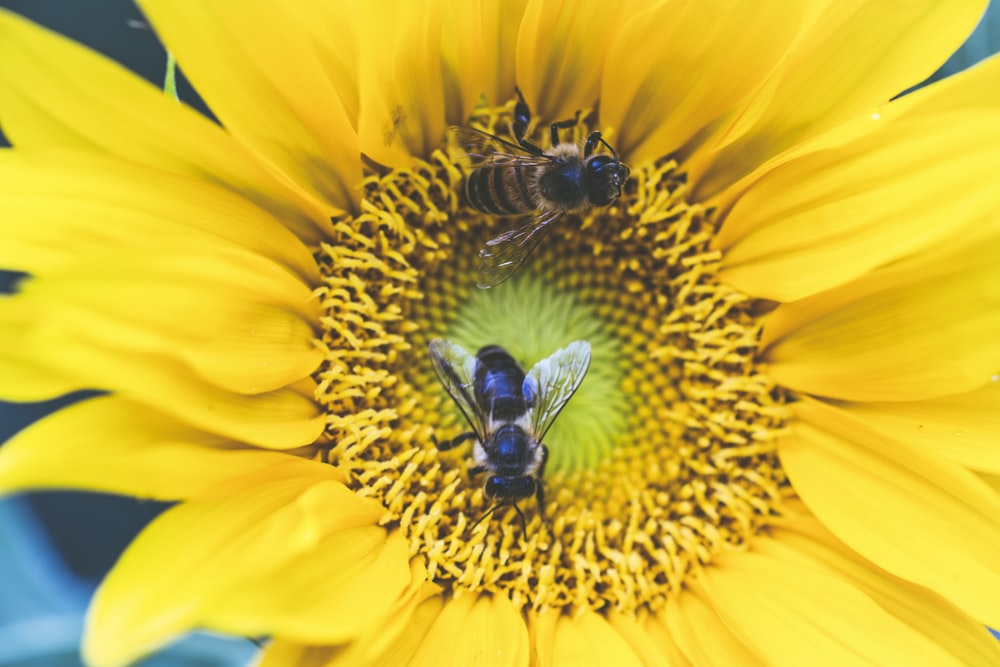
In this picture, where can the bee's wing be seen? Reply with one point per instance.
(552, 381)
(483, 149)
(456, 369)
(501, 256)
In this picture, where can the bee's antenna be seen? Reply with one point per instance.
(608, 146)
(480, 520)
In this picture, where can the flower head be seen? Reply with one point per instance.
(783, 447)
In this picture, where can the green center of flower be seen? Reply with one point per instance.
(663, 458)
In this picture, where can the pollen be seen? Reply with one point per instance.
(663, 459)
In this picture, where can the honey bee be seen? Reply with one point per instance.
(509, 412)
(508, 179)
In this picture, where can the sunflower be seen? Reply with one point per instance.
(783, 452)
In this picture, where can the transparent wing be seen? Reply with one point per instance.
(456, 369)
(501, 256)
(553, 381)
(483, 149)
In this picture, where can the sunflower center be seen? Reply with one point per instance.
(663, 458)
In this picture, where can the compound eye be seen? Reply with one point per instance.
(599, 164)
(604, 180)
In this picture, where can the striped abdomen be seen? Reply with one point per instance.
(502, 189)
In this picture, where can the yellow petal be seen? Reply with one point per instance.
(561, 49)
(542, 635)
(701, 635)
(478, 42)
(110, 445)
(26, 376)
(803, 539)
(586, 639)
(827, 217)
(792, 614)
(992, 481)
(402, 649)
(479, 630)
(240, 322)
(63, 95)
(232, 561)
(646, 648)
(401, 81)
(282, 653)
(464, 64)
(27, 381)
(278, 79)
(284, 418)
(392, 642)
(936, 523)
(677, 69)
(923, 327)
(347, 587)
(58, 206)
(972, 88)
(863, 53)
(328, 35)
(656, 630)
(963, 428)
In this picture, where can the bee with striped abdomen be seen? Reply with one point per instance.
(508, 178)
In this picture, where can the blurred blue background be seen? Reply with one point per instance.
(55, 547)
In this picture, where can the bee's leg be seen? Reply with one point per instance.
(522, 116)
(454, 442)
(592, 141)
(522, 119)
(477, 470)
(524, 524)
(540, 498)
(562, 125)
(540, 486)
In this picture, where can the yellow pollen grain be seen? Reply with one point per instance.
(691, 470)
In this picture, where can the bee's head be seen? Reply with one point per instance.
(605, 177)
